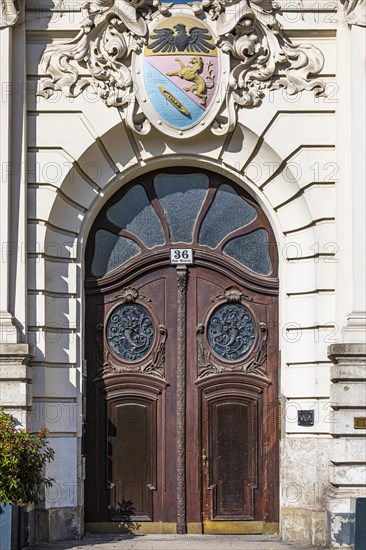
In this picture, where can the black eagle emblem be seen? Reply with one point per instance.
(166, 40)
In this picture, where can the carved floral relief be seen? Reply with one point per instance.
(129, 337)
(230, 340)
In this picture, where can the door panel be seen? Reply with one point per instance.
(131, 459)
(232, 459)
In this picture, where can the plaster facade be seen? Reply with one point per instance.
(300, 156)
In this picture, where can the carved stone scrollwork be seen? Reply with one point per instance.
(231, 335)
(110, 31)
(9, 13)
(355, 12)
(250, 32)
(246, 32)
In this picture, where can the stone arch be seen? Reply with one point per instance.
(69, 213)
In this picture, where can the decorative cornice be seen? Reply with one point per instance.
(355, 12)
(247, 33)
(9, 13)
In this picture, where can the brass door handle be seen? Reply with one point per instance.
(204, 459)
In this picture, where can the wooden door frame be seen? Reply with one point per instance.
(155, 389)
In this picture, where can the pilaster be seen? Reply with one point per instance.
(355, 330)
(12, 174)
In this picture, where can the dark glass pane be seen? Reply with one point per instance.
(252, 251)
(231, 331)
(111, 251)
(130, 332)
(227, 213)
(181, 197)
(135, 213)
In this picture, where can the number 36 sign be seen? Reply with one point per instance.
(181, 256)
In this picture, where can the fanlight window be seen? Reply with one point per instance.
(184, 209)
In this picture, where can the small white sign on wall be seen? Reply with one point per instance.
(181, 256)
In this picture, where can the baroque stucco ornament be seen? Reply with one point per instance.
(196, 49)
(355, 12)
(9, 13)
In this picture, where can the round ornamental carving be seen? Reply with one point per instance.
(130, 332)
(231, 331)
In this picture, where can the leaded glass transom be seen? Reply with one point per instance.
(135, 213)
(227, 213)
(130, 332)
(252, 251)
(110, 251)
(181, 197)
(231, 331)
(164, 210)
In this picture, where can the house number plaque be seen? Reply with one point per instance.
(181, 256)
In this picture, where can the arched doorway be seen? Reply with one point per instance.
(182, 399)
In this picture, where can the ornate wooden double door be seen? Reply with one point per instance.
(181, 413)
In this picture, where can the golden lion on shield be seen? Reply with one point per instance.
(192, 72)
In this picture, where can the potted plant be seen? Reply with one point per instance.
(23, 456)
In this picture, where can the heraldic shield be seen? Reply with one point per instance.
(177, 77)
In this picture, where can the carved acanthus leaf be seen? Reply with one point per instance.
(245, 29)
(110, 32)
(257, 362)
(102, 354)
(9, 13)
(232, 295)
(129, 295)
(355, 11)
(157, 365)
(254, 37)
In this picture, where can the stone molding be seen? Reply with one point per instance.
(347, 353)
(114, 32)
(9, 13)
(21, 353)
(15, 378)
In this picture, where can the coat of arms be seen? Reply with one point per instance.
(180, 67)
(177, 75)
